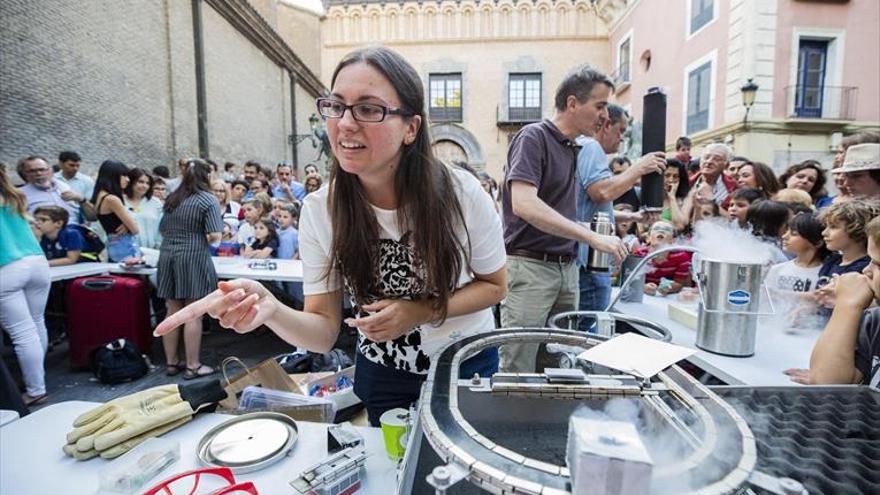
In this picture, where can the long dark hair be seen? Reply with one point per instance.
(135, 175)
(818, 188)
(197, 177)
(767, 218)
(810, 228)
(765, 179)
(427, 203)
(108, 179)
(684, 184)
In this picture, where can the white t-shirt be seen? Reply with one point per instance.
(788, 276)
(411, 352)
(245, 234)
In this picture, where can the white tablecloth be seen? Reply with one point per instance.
(227, 268)
(775, 350)
(32, 463)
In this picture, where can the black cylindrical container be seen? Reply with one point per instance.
(653, 139)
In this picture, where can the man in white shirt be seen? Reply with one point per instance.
(69, 162)
(42, 189)
(172, 184)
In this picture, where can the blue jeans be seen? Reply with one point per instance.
(381, 388)
(595, 294)
(120, 247)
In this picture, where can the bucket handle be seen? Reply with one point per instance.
(699, 279)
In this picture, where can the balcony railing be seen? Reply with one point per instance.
(524, 114)
(821, 102)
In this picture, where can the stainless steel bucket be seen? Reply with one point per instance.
(730, 303)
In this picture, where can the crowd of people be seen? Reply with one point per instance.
(124, 211)
(423, 251)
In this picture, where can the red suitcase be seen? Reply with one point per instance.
(101, 309)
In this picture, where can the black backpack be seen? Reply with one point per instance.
(118, 361)
(93, 244)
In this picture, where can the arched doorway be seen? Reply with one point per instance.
(454, 142)
(449, 152)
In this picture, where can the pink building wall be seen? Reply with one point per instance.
(661, 26)
(860, 21)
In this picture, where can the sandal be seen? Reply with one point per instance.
(197, 372)
(174, 369)
(30, 400)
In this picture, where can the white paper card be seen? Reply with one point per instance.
(636, 355)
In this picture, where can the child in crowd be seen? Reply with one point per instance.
(277, 205)
(667, 273)
(845, 237)
(791, 280)
(740, 202)
(769, 220)
(228, 244)
(253, 211)
(702, 210)
(794, 196)
(626, 229)
(61, 242)
(159, 189)
(265, 243)
(288, 235)
(848, 350)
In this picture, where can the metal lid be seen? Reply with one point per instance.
(249, 442)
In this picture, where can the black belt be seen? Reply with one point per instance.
(534, 255)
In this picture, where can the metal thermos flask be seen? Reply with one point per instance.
(599, 261)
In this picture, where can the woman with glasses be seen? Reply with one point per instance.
(229, 209)
(190, 224)
(417, 245)
(24, 289)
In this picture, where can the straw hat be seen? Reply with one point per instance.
(860, 157)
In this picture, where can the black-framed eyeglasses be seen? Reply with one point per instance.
(362, 112)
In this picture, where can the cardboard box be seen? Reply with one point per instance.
(343, 398)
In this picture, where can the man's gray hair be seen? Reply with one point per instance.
(720, 148)
(579, 83)
(616, 114)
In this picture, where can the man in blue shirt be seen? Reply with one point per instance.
(287, 189)
(598, 188)
(61, 243)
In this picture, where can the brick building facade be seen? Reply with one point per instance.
(118, 80)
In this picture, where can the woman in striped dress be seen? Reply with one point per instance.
(190, 224)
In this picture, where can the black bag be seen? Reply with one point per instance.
(118, 361)
(93, 244)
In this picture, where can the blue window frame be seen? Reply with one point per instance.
(702, 11)
(812, 57)
(699, 87)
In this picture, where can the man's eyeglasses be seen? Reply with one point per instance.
(37, 170)
(362, 112)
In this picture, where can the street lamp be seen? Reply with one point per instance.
(749, 91)
(314, 122)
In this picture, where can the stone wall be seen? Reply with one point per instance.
(117, 80)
